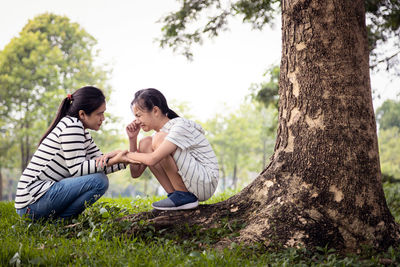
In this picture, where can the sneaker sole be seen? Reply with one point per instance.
(187, 206)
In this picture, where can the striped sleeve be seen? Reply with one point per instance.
(94, 152)
(75, 151)
(115, 168)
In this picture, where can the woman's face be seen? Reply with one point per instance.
(146, 118)
(95, 119)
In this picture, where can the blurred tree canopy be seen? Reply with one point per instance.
(50, 57)
(383, 24)
(388, 118)
(248, 130)
(389, 152)
(267, 92)
(388, 115)
(196, 19)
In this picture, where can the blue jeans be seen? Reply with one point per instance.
(67, 197)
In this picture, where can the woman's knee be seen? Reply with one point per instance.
(157, 139)
(145, 144)
(102, 182)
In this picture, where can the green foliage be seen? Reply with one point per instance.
(388, 114)
(50, 57)
(383, 27)
(244, 137)
(195, 19)
(182, 108)
(392, 194)
(98, 238)
(241, 139)
(186, 27)
(389, 151)
(267, 92)
(388, 118)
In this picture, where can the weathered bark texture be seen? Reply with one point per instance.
(323, 184)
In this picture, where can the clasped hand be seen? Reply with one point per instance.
(114, 157)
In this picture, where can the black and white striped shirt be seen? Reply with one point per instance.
(68, 151)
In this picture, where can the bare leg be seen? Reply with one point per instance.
(168, 164)
(181, 199)
(145, 146)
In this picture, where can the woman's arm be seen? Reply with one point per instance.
(135, 169)
(132, 130)
(166, 148)
(76, 144)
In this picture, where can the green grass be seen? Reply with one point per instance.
(96, 240)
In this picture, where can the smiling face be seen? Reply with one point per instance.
(146, 118)
(95, 119)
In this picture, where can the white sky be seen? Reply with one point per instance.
(222, 71)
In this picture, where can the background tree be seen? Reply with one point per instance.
(267, 92)
(388, 114)
(7, 157)
(383, 26)
(50, 58)
(237, 134)
(389, 151)
(323, 184)
(388, 117)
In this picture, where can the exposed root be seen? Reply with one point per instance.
(276, 220)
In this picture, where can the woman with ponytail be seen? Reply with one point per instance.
(178, 154)
(64, 175)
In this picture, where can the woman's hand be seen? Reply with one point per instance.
(122, 157)
(132, 130)
(103, 160)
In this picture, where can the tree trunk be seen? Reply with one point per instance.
(25, 148)
(323, 184)
(264, 151)
(22, 149)
(223, 180)
(234, 176)
(10, 190)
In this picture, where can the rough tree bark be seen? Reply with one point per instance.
(323, 184)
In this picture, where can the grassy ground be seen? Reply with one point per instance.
(96, 240)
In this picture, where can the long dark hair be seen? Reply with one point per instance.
(87, 98)
(148, 98)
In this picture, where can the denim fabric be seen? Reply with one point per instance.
(67, 197)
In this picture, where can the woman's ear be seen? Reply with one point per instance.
(81, 114)
(156, 110)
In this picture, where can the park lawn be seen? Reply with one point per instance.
(96, 240)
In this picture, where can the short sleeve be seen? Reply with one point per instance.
(182, 135)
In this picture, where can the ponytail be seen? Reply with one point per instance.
(171, 114)
(62, 111)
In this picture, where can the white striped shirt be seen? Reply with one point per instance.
(67, 151)
(194, 157)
